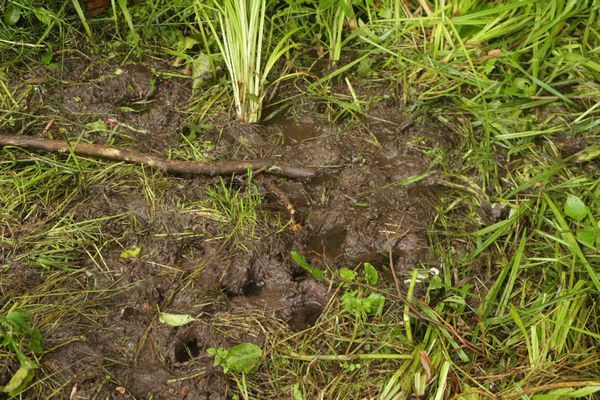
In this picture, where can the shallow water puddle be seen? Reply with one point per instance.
(295, 130)
(330, 244)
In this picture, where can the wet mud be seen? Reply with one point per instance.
(372, 201)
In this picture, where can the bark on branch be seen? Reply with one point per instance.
(172, 166)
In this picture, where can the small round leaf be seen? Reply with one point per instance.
(575, 208)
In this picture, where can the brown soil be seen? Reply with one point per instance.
(356, 210)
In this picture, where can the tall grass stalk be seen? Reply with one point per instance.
(243, 41)
(331, 15)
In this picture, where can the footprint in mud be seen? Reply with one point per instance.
(329, 244)
(186, 349)
(304, 317)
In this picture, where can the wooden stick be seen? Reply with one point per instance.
(173, 166)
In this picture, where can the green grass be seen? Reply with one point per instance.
(235, 210)
(244, 42)
(512, 314)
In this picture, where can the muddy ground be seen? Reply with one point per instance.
(357, 209)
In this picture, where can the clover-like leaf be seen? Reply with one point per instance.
(347, 274)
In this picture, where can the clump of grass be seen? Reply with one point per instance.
(245, 42)
(236, 210)
(37, 226)
(331, 16)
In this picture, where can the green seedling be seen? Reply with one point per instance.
(130, 253)
(347, 274)
(371, 274)
(17, 336)
(355, 303)
(314, 272)
(358, 302)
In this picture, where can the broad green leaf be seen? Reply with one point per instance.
(575, 208)
(97, 126)
(297, 392)
(130, 253)
(371, 274)
(46, 57)
(243, 358)
(211, 351)
(186, 43)
(201, 69)
(347, 274)
(44, 15)
(587, 236)
(301, 261)
(175, 319)
(365, 69)
(19, 320)
(18, 381)
(351, 303)
(12, 14)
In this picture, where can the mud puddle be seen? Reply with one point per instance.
(358, 209)
(296, 129)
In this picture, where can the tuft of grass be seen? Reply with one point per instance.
(236, 210)
(245, 42)
(331, 16)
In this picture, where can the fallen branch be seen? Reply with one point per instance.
(172, 166)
